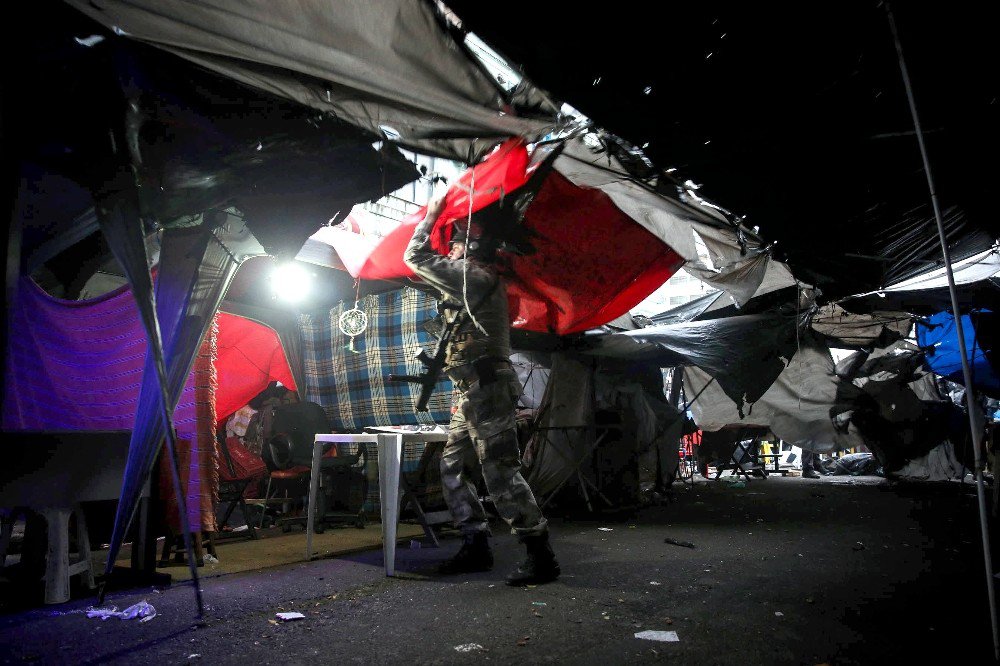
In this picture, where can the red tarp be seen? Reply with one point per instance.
(593, 262)
(249, 358)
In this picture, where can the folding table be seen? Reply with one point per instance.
(389, 442)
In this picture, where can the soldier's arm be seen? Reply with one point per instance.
(435, 269)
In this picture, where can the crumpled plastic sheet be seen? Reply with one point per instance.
(469, 647)
(142, 610)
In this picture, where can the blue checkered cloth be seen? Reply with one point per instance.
(352, 387)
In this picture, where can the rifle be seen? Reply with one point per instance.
(434, 364)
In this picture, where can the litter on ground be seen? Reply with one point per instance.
(663, 636)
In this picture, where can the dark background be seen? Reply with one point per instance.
(794, 115)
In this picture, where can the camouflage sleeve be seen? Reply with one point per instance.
(439, 271)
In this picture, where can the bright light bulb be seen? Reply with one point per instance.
(291, 282)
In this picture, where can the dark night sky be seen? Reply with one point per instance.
(793, 115)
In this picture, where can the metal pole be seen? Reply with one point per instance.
(966, 372)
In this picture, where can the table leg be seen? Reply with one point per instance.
(390, 449)
(410, 496)
(83, 547)
(57, 560)
(313, 492)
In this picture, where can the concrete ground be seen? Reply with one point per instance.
(839, 570)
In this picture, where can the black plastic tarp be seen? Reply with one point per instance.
(390, 67)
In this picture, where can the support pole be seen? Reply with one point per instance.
(977, 434)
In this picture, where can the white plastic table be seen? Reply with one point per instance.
(389, 442)
(410, 436)
(317, 455)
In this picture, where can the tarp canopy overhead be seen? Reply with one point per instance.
(829, 123)
(937, 337)
(392, 68)
(564, 276)
(796, 407)
(846, 330)
(777, 291)
(744, 354)
(977, 282)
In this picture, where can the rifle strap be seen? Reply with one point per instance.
(456, 323)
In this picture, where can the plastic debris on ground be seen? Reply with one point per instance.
(142, 610)
(606, 529)
(778, 614)
(211, 559)
(469, 647)
(662, 636)
(677, 542)
(288, 617)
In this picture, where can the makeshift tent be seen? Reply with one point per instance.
(605, 418)
(564, 276)
(937, 336)
(902, 416)
(394, 69)
(78, 365)
(184, 146)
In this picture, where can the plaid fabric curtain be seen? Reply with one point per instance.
(352, 386)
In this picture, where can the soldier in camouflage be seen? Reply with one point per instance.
(482, 431)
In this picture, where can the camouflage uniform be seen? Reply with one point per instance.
(482, 430)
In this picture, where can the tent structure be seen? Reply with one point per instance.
(78, 365)
(799, 124)
(240, 128)
(587, 197)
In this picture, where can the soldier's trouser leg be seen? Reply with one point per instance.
(489, 415)
(459, 466)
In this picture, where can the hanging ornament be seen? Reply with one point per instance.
(353, 323)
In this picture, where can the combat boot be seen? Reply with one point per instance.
(474, 555)
(539, 567)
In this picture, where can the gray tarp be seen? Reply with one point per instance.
(564, 433)
(388, 67)
(977, 280)
(745, 354)
(851, 330)
(776, 277)
(796, 407)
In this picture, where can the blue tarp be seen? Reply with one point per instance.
(939, 340)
